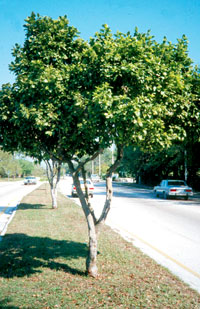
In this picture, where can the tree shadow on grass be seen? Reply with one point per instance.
(22, 255)
(25, 206)
(4, 304)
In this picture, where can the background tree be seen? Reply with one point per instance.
(27, 167)
(12, 166)
(9, 166)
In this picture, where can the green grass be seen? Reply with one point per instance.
(42, 264)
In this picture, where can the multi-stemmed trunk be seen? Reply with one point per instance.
(93, 223)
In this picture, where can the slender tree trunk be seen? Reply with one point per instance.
(106, 208)
(109, 188)
(91, 262)
(53, 173)
(54, 196)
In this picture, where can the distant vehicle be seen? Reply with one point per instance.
(30, 180)
(95, 178)
(173, 188)
(90, 187)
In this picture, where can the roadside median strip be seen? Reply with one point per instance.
(43, 255)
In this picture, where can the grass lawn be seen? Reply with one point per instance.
(42, 264)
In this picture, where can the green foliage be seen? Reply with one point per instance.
(147, 84)
(9, 166)
(12, 166)
(72, 98)
(26, 166)
(49, 111)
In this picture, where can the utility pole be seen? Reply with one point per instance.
(112, 150)
(186, 169)
(99, 165)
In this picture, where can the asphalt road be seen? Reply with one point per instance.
(166, 230)
(11, 194)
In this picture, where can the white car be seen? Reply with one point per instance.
(30, 180)
(173, 188)
(90, 187)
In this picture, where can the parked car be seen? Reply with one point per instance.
(30, 180)
(90, 187)
(173, 188)
(95, 178)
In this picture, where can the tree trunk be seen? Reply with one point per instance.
(91, 262)
(54, 196)
(109, 188)
(93, 224)
(53, 169)
(106, 208)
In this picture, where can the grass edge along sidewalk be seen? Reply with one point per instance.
(42, 264)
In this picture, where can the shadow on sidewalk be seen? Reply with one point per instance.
(22, 255)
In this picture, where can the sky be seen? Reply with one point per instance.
(170, 18)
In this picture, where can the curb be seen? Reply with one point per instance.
(3, 232)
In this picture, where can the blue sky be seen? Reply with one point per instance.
(170, 18)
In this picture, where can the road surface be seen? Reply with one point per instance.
(166, 230)
(11, 193)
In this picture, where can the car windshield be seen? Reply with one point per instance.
(30, 177)
(176, 183)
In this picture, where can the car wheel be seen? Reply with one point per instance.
(91, 195)
(186, 198)
(165, 195)
(157, 194)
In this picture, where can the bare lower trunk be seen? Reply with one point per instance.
(94, 228)
(54, 197)
(53, 173)
(91, 262)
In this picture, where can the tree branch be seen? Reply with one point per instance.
(109, 190)
(82, 164)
